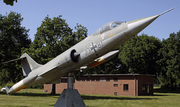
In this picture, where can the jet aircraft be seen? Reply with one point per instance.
(90, 52)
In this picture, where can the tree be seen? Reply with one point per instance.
(9, 2)
(53, 37)
(170, 61)
(12, 38)
(140, 54)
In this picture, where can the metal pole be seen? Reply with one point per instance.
(70, 81)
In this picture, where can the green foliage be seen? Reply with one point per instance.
(53, 37)
(170, 61)
(12, 38)
(9, 2)
(140, 54)
(10, 83)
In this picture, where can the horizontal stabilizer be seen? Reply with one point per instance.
(28, 64)
(7, 88)
(14, 60)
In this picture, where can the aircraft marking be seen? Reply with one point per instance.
(93, 47)
(111, 35)
(102, 36)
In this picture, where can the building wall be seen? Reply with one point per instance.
(47, 88)
(108, 85)
(143, 82)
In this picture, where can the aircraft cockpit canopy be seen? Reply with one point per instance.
(107, 27)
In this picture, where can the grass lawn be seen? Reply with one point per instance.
(37, 98)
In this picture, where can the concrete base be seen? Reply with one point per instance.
(70, 98)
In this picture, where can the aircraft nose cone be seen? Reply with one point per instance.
(136, 26)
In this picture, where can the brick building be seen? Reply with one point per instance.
(109, 84)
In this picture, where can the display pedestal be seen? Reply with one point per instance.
(70, 97)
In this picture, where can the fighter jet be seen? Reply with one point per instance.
(90, 52)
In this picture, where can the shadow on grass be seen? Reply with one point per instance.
(35, 94)
(31, 94)
(84, 97)
(159, 95)
(89, 97)
(167, 90)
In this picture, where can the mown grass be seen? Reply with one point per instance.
(37, 98)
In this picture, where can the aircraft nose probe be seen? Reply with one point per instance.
(136, 26)
(168, 10)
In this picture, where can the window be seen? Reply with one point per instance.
(116, 79)
(63, 80)
(126, 87)
(107, 79)
(102, 79)
(107, 27)
(150, 86)
(92, 79)
(115, 93)
(97, 79)
(115, 24)
(78, 79)
(87, 79)
(144, 87)
(115, 85)
(103, 28)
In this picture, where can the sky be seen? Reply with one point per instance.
(95, 13)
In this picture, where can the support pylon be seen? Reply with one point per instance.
(70, 97)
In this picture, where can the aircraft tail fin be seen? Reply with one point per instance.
(28, 64)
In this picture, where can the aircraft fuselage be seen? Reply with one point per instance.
(91, 48)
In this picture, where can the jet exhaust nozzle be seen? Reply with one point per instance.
(21, 84)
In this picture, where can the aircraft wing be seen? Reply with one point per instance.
(46, 72)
